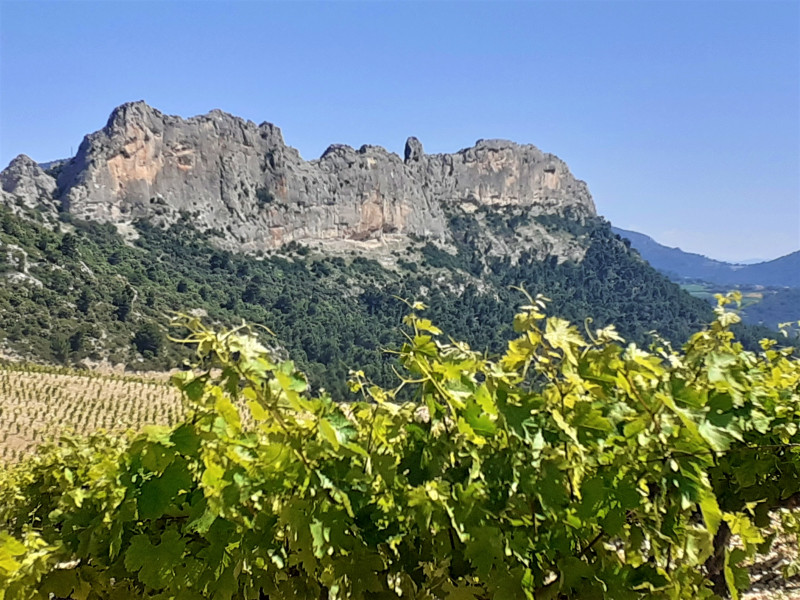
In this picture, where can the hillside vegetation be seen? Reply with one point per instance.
(90, 296)
(573, 465)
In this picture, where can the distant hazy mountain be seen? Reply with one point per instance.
(783, 271)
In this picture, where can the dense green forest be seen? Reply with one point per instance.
(88, 294)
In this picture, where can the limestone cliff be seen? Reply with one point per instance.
(24, 184)
(239, 178)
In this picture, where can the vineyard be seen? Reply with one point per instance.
(572, 466)
(39, 403)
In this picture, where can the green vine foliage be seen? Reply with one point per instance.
(572, 466)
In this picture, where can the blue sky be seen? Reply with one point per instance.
(683, 117)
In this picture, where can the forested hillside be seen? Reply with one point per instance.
(771, 289)
(88, 295)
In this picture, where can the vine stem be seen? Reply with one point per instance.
(589, 546)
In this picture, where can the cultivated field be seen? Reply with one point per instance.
(37, 403)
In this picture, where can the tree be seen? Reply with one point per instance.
(69, 245)
(77, 340)
(149, 340)
(60, 346)
(123, 301)
(85, 300)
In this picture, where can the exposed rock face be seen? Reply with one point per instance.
(413, 152)
(238, 177)
(25, 184)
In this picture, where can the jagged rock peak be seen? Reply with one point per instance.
(231, 175)
(23, 172)
(337, 150)
(413, 151)
(495, 144)
(25, 183)
(22, 161)
(131, 110)
(141, 114)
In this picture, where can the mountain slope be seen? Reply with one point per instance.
(782, 272)
(159, 214)
(89, 295)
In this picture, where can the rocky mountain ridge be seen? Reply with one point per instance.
(241, 180)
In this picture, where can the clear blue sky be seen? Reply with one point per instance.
(683, 117)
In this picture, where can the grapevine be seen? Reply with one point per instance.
(572, 466)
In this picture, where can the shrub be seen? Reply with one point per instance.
(149, 339)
